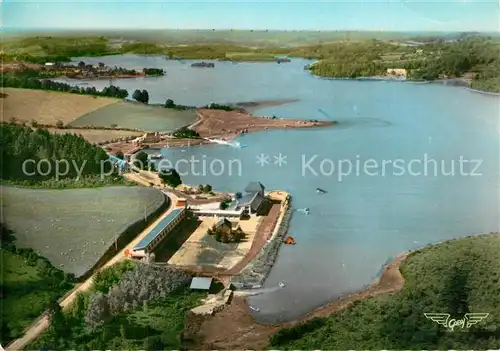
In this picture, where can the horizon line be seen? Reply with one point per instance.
(244, 30)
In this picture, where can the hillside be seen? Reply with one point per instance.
(455, 277)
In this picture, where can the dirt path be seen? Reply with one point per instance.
(39, 326)
(235, 329)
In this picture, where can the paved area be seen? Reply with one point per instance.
(203, 250)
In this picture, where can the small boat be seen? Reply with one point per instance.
(321, 191)
(254, 308)
(156, 156)
(281, 285)
(289, 241)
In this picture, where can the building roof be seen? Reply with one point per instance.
(200, 283)
(144, 243)
(254, 187)
(254, 200)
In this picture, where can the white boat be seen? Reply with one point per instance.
(225, 142)
(281, 285)
(156, 156)
(254, 308)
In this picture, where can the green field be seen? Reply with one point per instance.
(137, 116)
(26, 293)
(455, 277)
(73, 228)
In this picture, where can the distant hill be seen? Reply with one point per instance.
(257, 37)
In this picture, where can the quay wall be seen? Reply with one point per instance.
(258, 269)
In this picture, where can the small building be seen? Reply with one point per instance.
(158, 233)
(181, 202)
(251, 201)
(223, 225)
(49, 64)
(200, 283)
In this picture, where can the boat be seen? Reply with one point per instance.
(321, 191)
(281, 285)
(156, 156)
(225, 142)
(304, 210)
(254, 308)
(289, 241)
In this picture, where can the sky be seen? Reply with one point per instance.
(376, 15)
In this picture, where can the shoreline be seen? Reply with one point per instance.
(457, 82)
(245, 332)
(231, 124)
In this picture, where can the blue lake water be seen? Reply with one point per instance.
(368, 215)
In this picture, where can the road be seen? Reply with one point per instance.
(43, 323)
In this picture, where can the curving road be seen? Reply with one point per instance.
(43, 322)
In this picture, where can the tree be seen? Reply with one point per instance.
(207, 188)
(141, 160)
(169, 103)
(59, 124)
(145, 96)
(224, 204)
(137, 95)
(81, 64)
(120, 155)
(98, 310)
(170, 177)
(238, 195)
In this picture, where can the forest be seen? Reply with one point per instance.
(21, 143)
(479, 55)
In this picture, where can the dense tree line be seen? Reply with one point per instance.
(28, 79)
(21, 143)
(214, 106)
(153, 71)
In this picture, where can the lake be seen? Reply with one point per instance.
(404, 137)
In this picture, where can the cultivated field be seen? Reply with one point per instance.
(98, 135)
(48, 107)
(137, 116)
(73, 228)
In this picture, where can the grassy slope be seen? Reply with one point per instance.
(447, 278)
(26, 293)
(74, 221)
